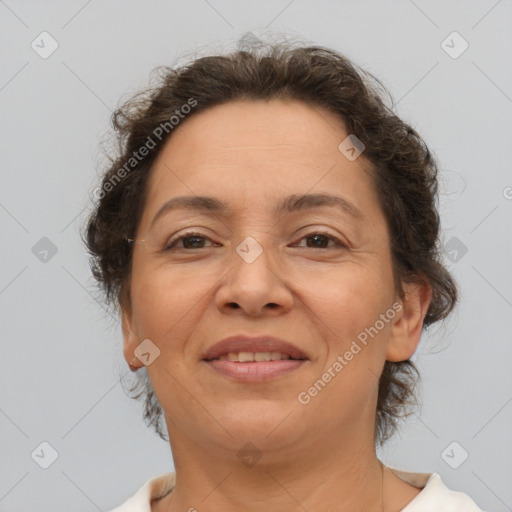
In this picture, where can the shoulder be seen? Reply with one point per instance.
(154, 488)
(435, 496)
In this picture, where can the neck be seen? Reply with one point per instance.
(341, 477)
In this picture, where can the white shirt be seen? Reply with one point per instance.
(434, 497)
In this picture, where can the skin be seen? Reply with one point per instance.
(319, 456)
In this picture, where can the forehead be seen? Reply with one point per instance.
(253, 150)
(284, 125)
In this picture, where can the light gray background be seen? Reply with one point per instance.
(61, 352)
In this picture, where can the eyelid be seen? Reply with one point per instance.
(173, 240)
(169, 245)
(339, 242)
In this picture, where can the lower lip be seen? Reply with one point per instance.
(256, 371)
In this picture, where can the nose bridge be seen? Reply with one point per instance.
(254, 261)
(254, 280)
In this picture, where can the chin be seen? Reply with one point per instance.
(264, 425)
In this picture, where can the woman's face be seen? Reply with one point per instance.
(317, 275)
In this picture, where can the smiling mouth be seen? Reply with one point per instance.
(255, 367)
(256, 357)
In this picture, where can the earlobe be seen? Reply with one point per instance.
(130, 338)
(408, 326)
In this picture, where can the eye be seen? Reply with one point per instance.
(318, 240)
(191, 240)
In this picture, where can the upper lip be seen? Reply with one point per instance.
(243, 343)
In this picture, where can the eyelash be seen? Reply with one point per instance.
(191, 234)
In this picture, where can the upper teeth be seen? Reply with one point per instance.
(243, 357)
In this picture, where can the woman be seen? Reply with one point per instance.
(269, 233)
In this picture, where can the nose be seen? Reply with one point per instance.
(254, 287)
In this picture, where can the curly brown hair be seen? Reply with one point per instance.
(404, 173)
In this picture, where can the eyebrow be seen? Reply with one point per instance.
(290, 204)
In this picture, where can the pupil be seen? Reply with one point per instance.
(187, 241)
(318, 238)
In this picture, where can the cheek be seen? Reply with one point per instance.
(348, 312)
(353, 296)
(161, 298)
(169, 304)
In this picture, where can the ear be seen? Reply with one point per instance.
(130, 337)
(408, 323)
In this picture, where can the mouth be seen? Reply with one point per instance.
(257, 357)
(254, 359)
